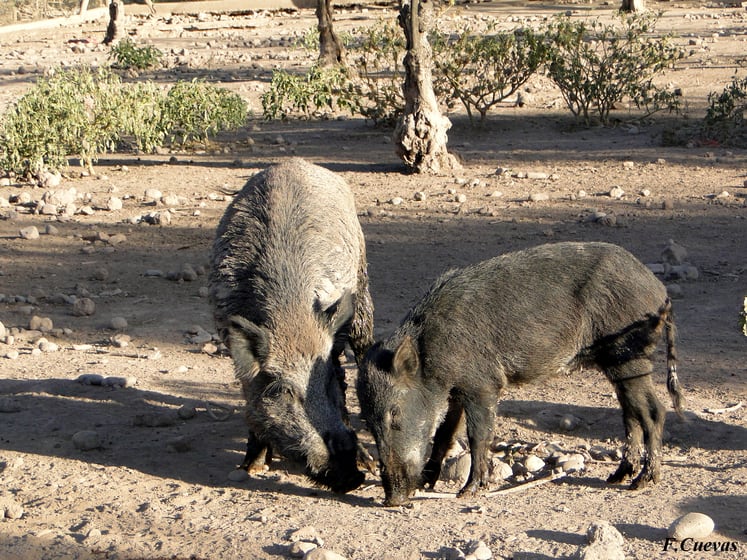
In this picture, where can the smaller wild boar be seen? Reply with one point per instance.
(289, 288)
(514, 318)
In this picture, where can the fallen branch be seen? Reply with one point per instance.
(731, 408)
(526, 486)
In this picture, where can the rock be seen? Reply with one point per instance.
(573, 462)
(188, 273)
(501, 470)
(539, 197)
(84, 307)
(301, 548)
(238, 475)
(2, 331)
(186, 412)
(90, 379)
(119, 382)
(114, 204)
(478, 550)
(537, 175)
(154, 420)
(29, 233)
(86, 440)
(684, 272)
(568, 422)
(10, 509)
(322, 554)
(118, 323)
(616, 192)
(456, 469)
(152, 195)
(120, 340)
(116, 239)
(674, 253)
(675, 291)
(533, 463)
(101, 274)
(419, 196)
(46, 346)
(605, 543)
(43, 324)
(461, 197)
(306, 533)
(628, 164)
(692, 525)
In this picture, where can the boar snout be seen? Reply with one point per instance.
(340, 473)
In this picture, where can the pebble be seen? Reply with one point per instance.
(43, 324)
(90, 379)
(306, 533)
(10, 509)
(539, 197)
(323, 554)
(537, 175)
(616, 192)
(478, 550)
(8, 405)
(12, 354)
(114, 204)
(501, 470)
(29, 232)
(461, 197)
(2, 330)
(46, 346)
(692, 525)
(573, 462)
(419, 196)
(188, 273)
(605, 543)
(101, 274)
(119, 382)
(186, 412)
(533, 463)
(116, 239)
(301, 548)
(85, 440)
(238, 475)
(674, 253)
(203, 292)
(675, 291)
(154, 420)
(118, 323)
(152, 195)
(568, 422)
(84, 307)
(120, 340)
(456, 469)
(628, 164)
(685, 272)
(396, 201)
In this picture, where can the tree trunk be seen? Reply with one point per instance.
(83, 7)
(115, 31)
(330, 47)
(632, 6)
(420, 135)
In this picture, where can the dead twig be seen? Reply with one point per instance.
(526, 486)
(731, 408)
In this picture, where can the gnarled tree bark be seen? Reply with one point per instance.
(330, 46)
(420, 135)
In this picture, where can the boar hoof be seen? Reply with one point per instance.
(625, 470)
(644, 479)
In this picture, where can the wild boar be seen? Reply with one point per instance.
(289, 288)
(517, 317)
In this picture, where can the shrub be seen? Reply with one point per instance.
(126, 54)
(724, 121)
(596, 66)
(481, 69)
(304, 94)
(82, 113)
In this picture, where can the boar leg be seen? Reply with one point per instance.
(480, 415)
(442, 441)
(257, 456)
(643, 416)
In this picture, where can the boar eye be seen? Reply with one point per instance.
(395, 422)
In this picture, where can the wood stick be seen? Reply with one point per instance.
(724, 410)
(526, 486)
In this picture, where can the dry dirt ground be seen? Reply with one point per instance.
(157, 484)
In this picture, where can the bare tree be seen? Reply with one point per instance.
(632, 6)
(330, 47)
(420, 135)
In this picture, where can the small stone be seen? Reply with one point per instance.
(154, 420)
(628, 164)
(616, 193)
(90, 379)
(456, 469)
(43, 324)
(645, 193)
(306, 533)
(186, 412)
(86, 211)
(11, 508)
(46, 346)
(118, 323)
(667, 204)
(396, 201)
(568, 422)
(210, 348)
(119, 382)
(120, 340)
(84, 307)
(153, 273)
(478, 550)
(605, 543)
(419, 196)
(188, 273)
(12, 354)
(537, 175)
(539, 197)
(501, 470)
(203, 292)
(114, 204)
(323, 554)
(692, 525)
(29, 233)
(116, 239)
(674, 253)
(101, 274)
(573, 462)
(93, 534)
(461, 198)
(301, 548)
(533, 463)
(152, 195)
(238, 475)
(86, 440)
(675, 291)
(171, 200)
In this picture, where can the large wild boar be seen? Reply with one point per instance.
(514, 318)
(289, 288)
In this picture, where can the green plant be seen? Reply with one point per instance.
(84, 113)
(481, 67)
(724, 121)
(597, 65)
(304, 94)
(197, 110)
(126, 54)
(72, 112)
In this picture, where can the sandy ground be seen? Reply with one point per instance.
(157, 486)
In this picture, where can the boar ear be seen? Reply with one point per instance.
(249, 344)
(339, 315)
(405, 362)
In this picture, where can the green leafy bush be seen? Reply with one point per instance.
(482, 67)
(597, 66)
(306, 95)
(724, 121)
(84, 113)
(126, 54)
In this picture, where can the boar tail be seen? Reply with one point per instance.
(673, 382)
